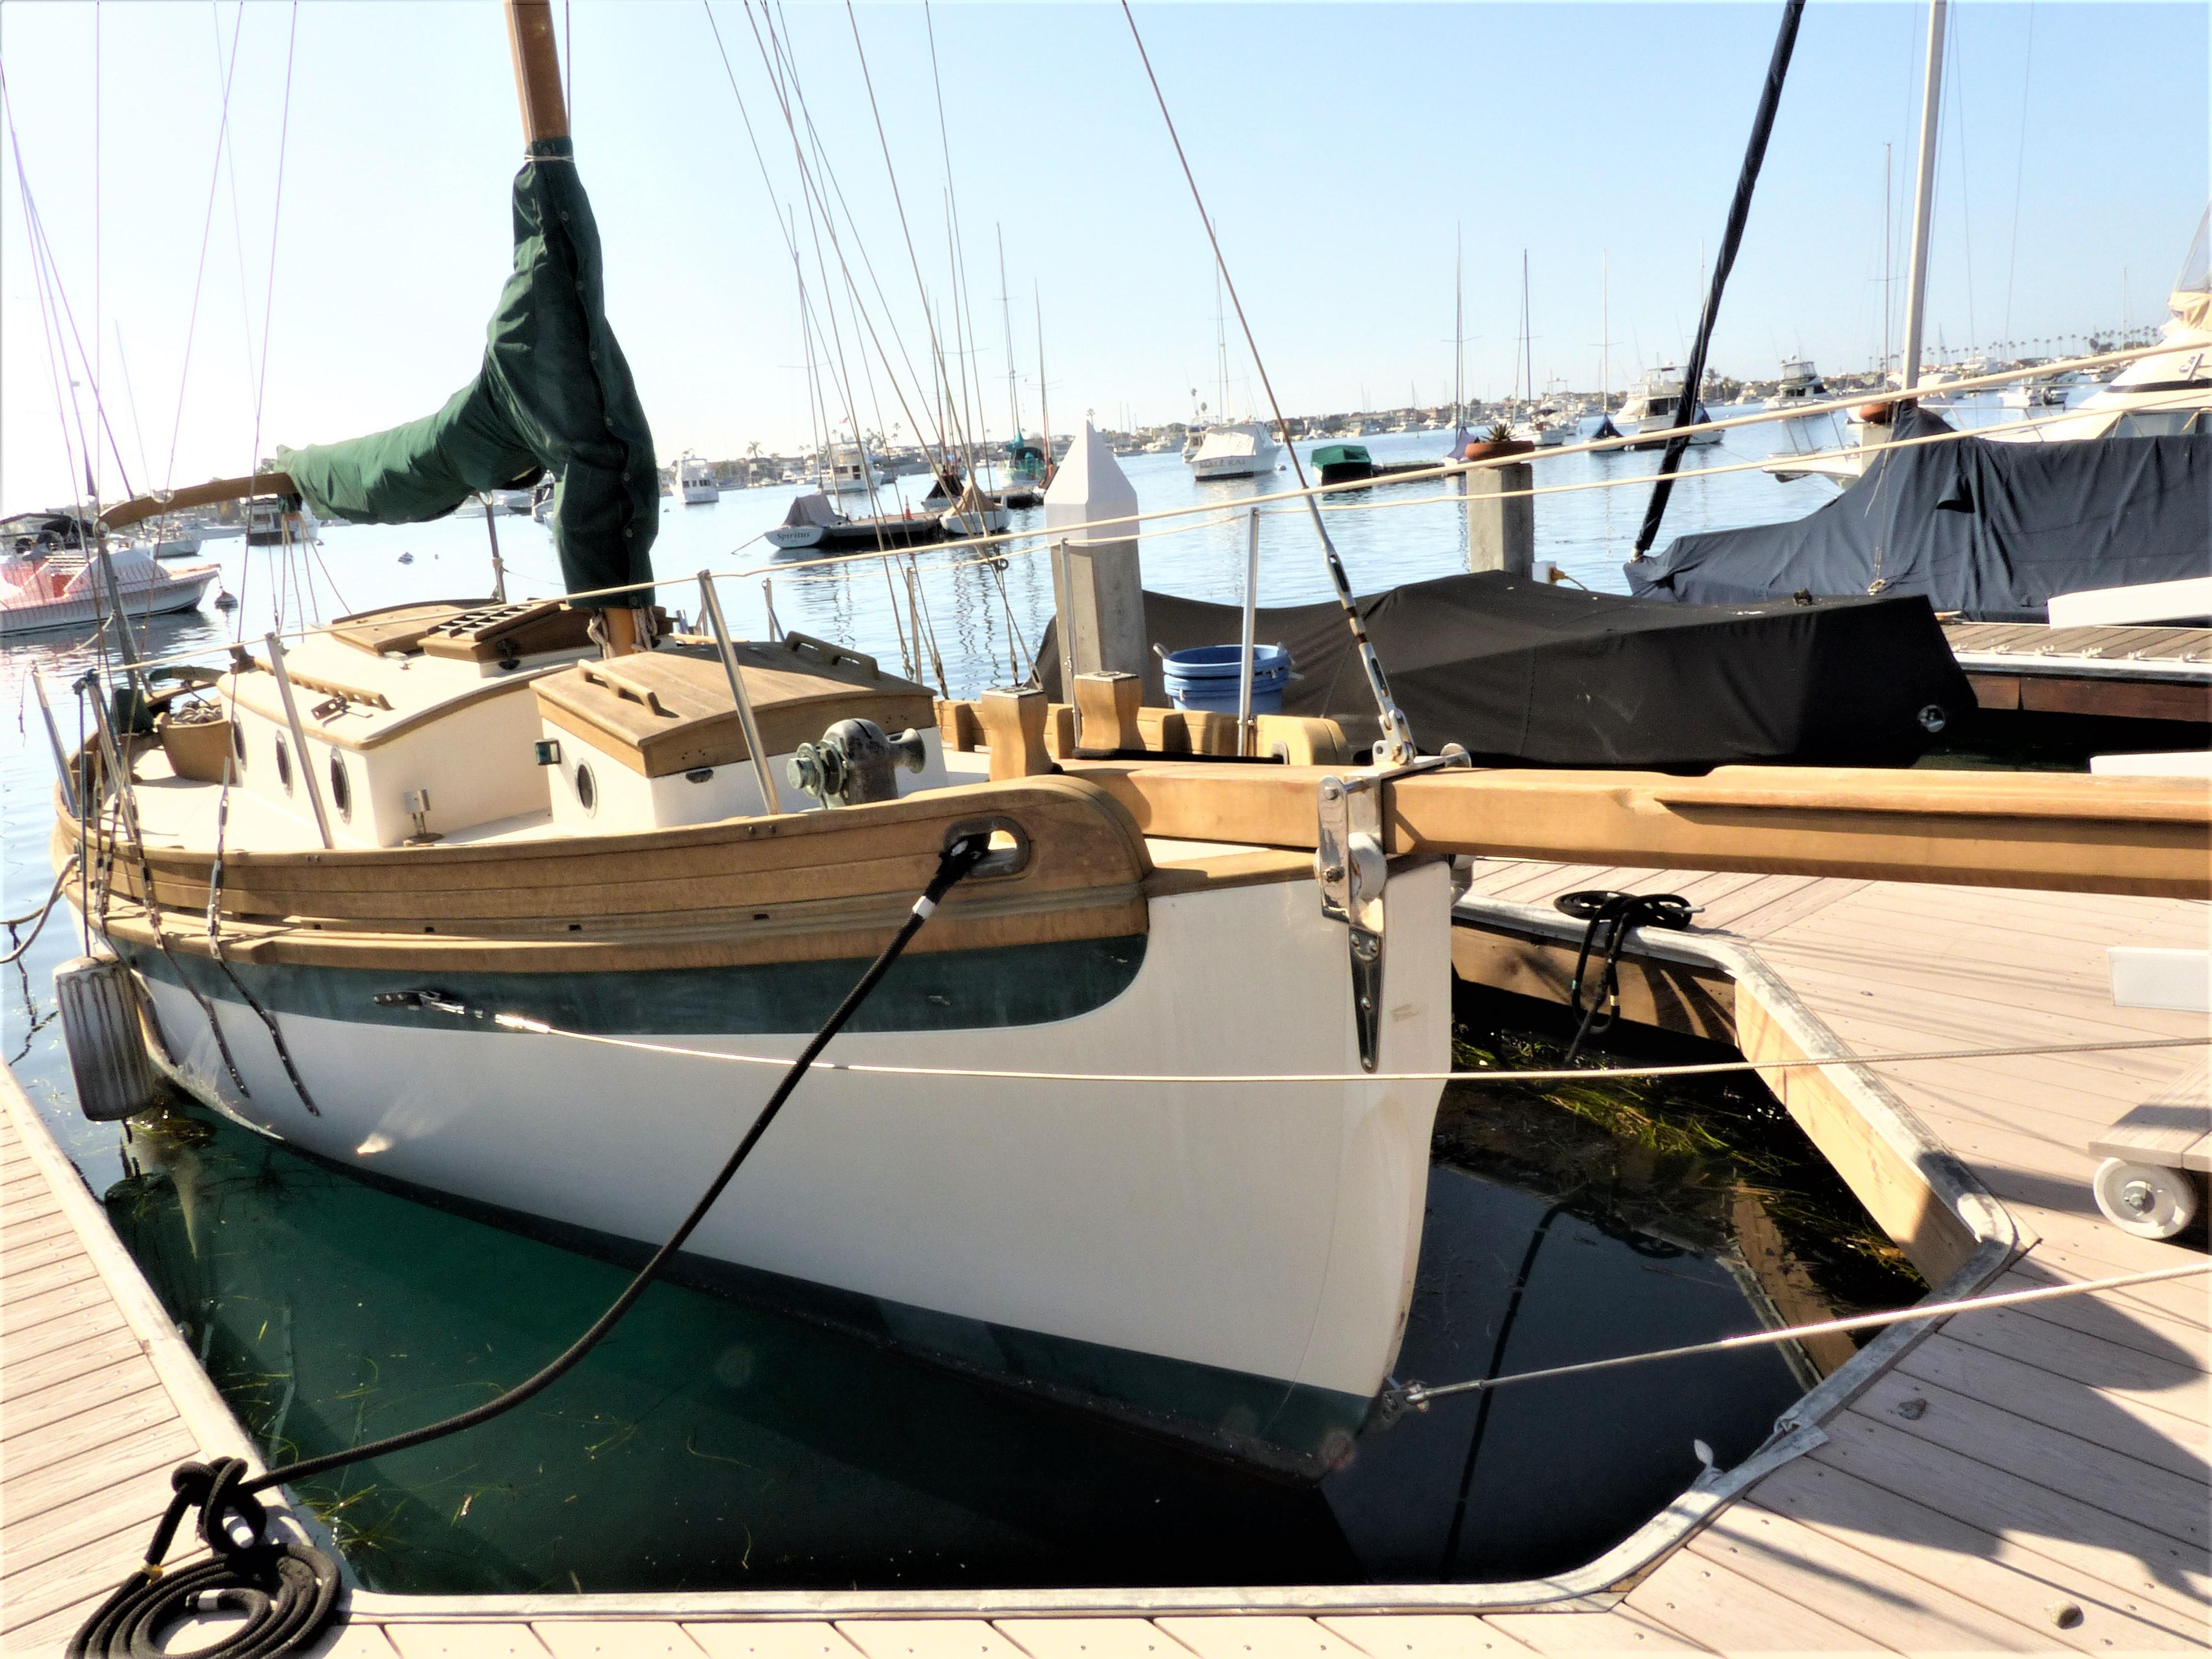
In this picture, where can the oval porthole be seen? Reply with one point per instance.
(587, 788)
(238, 741)
(341, 788)
(284, 766)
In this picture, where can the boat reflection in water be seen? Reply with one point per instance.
(710, 1444)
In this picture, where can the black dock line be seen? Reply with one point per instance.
(289, 1591)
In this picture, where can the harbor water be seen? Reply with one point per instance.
(713, 1445)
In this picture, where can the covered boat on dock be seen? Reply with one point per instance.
(1530, 672)
(1987, 529)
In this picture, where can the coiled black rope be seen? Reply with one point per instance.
(289, 1591)
(1615, 914)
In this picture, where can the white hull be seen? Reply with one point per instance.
(989, 521)
(791, 536)
(1264, 1234)
(700, 495)
(176, 593)
(1245, 451)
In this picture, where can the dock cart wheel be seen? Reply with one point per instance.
(2147, 1200)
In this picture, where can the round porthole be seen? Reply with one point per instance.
(284, 766)
(341, 788)
(587, 788)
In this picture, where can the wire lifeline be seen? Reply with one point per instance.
(289, 1591)
(1416, 1396)
(524, 1025)
(1396, 748)
(995, 545)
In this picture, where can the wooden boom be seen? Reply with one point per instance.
(2057, 831)
(141, 508)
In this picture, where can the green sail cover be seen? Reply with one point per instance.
(555, 392)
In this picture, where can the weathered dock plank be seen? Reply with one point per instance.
(1043, 1638)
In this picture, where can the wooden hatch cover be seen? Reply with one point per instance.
(487, 633)
(397, 628)
(668, 711)
(468, 630)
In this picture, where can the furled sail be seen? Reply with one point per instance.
(555, 392)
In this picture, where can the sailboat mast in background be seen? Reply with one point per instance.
(1923, 199)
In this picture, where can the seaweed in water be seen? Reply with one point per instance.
(1712, 1163)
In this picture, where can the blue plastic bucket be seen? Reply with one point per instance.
(1205, 679)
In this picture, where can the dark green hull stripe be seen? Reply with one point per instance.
(939, 991)
(1288, 1431)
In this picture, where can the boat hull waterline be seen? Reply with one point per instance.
(1229, 1265)
(183, 591)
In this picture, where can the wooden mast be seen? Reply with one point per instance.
(545, 116)
(537, 70)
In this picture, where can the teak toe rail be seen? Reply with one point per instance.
(2060, 832)
(795, 887)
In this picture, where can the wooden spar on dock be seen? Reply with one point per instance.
(2150, 836)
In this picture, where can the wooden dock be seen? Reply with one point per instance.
(2125, 673)
(2028, 1480)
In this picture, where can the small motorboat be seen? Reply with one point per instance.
(66, 589)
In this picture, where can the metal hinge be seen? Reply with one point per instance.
(1352, 866)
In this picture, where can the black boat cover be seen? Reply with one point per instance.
(1523, 672)
(1991, 530)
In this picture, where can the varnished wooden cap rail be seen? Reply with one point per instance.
(1991, 794)
(2150, 836)
(141, 508)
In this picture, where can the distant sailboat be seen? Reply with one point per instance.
(1605, 429)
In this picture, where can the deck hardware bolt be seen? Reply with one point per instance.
(1330, 789)
(2137, 1197)
(1912, 1410)
(1334, 872)
(2066, 1614)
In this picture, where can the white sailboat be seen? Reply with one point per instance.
(1229, 449)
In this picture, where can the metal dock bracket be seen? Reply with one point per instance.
(1352, 866)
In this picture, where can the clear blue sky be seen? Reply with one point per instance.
(1339, 146)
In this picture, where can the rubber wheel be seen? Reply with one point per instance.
(2146, 1200)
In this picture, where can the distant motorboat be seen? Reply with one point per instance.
(1804, 434)
(41, 533)
(1651, 407)
(406, 558)
(67, 589)
(266, 523)
(854, 471)
(1245, 450)
(695, 483)
(1800, 383)
(1547, 427)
